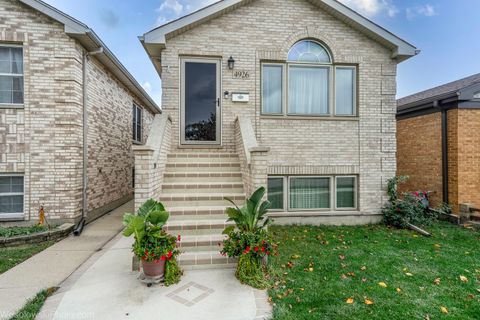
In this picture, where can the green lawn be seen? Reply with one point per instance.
(320, 268)
(10, 257)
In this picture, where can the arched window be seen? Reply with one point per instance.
(308, 84)
(309, 51)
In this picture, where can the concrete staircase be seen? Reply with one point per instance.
(195, 184)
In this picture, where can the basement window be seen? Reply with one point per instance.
(312, 193)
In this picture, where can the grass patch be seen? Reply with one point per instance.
(10, 257)
(319, 268)
(17, 231)
(33, 306)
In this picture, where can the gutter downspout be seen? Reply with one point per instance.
(79, 227)
(444, 154)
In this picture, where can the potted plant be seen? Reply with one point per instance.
(156, 249)
(249, 239)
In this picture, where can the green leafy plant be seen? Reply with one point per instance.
(249, 240)
(410, 208)
(18, 231)
(152, 243)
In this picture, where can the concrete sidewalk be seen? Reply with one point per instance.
(106, 288)
(52, 266)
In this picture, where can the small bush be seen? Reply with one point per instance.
(411, 208)
(17, 231)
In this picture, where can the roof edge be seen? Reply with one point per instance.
(77, 29)
(157, 37)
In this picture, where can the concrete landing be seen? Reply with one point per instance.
(106, 288)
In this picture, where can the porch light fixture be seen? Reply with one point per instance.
(231, 63)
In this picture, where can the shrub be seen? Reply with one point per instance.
(249, 240)
(411, 208)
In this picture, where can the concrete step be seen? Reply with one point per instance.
(202, 187)
(203, 167)
(214, 177)
(206, 259)
(202, 157)
(175, 200)
(201, 243)
(475, 217)
(197, 227)
(198, 213)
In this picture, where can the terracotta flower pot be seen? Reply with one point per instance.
(154, 269)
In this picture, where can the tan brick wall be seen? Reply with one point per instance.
(452, 142)
(43, 139)
(364, 146)
(110, 155)
(419, 149)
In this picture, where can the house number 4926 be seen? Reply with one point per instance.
(241, 74)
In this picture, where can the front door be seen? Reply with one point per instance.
(200, 102)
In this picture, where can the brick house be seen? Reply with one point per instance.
(68, 109)
(438, 138)
(300, 100)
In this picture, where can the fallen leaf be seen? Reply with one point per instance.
(437, 245)
(427, 317)
(344, 276)
(399, 290)
(368, 301)
(382, 284)
(463, 279)
(436, 281)
(302, 289)
(290, 264)
(409, 274)
(349, 300)
(310, 269)
(444, 310)
(415, 236)
(341, 256)
(295, 256)
(363, 268)
(351, 274)
(470, 296)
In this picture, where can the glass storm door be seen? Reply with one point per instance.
(200, 106)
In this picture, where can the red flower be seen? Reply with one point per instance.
(255, 249)
(263, 249)
(163, 258)
(268, 253)
(416, 194)
(169, 255)
(146, 252)
(247, 250)
(179, 238)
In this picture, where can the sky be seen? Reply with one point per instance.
(446, 31)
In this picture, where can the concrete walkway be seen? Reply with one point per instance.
(52, 266)
(106, 288)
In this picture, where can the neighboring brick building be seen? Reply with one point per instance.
(52, 67)
(297, 96)
(438, 140)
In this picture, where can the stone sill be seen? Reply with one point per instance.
(319, 214)
(11, 106)
(333, 118)
(55, 234)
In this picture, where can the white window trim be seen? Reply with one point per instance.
(355, 193)
(329, 100)
(355, 90)
(14, 215)
(289, 178)
(15, 105)
(284, 91)
(332, 189)
(332, 89)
